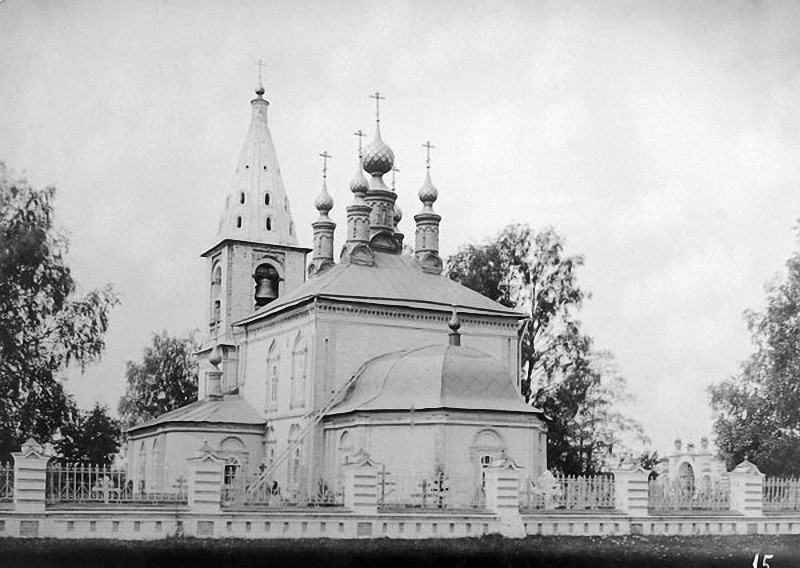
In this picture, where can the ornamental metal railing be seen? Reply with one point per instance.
(77, 483)
(781, 494)
(568, 492)
(665, 496)
(246, 488)
(438, 490)
(6, 482)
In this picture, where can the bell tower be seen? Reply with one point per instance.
(256, 258)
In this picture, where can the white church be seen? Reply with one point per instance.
(308, 363)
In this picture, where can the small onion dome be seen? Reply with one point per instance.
(359, 183)
(260, 89)
(455, 322)
(378, 157)
(324, 201)
(216, 356)
(428, 193)
(398, 214)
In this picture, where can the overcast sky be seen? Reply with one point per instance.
(661, 138)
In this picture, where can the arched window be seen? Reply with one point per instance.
(232, 465)
(266, 198)
(153, 474)
(142, 467)
(239, 222)
(242, 197)
(270, 443)
(291, 227)
(269, 223)
(273, 365)
(295, 461)
(299, 371)
(267, 279)
(345, 447)
(216, 291)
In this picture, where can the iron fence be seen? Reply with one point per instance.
(6, 482)
(665, 495)
(77, 483)
(568, 492)
(781, 494)
(245, 488)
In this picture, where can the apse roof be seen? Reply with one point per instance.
(433, 377)
(393, 280)
(231, 409)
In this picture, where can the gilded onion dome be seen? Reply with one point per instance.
(378, 157)
(324, 201)
(428, 193)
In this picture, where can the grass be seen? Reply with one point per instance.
(492, 551)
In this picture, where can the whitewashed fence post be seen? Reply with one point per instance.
(361, 485)
(30, 476)
(206, 477)
(747, 489)
(631, 491)
(502, 496)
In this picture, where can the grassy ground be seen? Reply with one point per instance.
(495, 552)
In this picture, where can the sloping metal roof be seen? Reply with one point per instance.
(231, 409)
(431, 377)
(393, 280)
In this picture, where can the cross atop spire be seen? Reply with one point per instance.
(360, 135)
(260, 86)
(428, 147)
(378, 98)
(394, 170)
(325, 156)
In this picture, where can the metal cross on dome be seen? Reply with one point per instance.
(428, 147)
(360, 135)
(325, 157)
(260, 67)
(394, 170)
(378, 98)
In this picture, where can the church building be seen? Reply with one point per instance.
(308, 362)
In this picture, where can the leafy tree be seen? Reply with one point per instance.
(529, 271)
(166, 379)
(757, 412)
(90, 437)
(44, 326)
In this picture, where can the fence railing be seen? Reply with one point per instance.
(665, 495)
(102, 484)
(439, 490)
(6, 482)
(569, 492)
(246, 488)
(781, 494)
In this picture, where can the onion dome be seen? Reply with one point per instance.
(378, 157)
(324, 201)
(216, 356)
(260, 88)
(428, 193)
(359, 182)
(398, 214)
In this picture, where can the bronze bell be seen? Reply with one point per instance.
(266, 278)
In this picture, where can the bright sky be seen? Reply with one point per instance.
(662, 138)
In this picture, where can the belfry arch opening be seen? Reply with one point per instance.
(267, 280)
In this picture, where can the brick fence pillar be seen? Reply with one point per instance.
(30, 477)
(206, 476)
(747, 487)
(361, 485)
(631, 491)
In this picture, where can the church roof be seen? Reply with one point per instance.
(393, 280)
(231, 409)
(434, 377)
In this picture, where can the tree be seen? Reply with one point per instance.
(44, 325)
(90, 437)
(757, 412)
(529, 271)
(166, 379)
